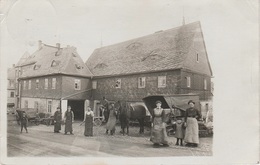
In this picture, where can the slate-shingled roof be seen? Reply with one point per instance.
(53, 60)
(163, 50)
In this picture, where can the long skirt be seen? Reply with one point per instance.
(192, 131)
(180, 132)
(57, 126)
(88, 126)
(158, 134)
(68, 126)
(111, 123)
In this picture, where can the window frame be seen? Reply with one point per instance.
(118, 83)
(162, 79)
(77, 81)
(24, 85)
(49, 106)
(30, 84)
(37, 81)
(141, 82)
(46, 83)
(26, 104)
(205, 84)
(11, 94)
(53, 83)
(94, 84)
(188, 82)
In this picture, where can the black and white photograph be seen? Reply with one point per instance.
(129, 82)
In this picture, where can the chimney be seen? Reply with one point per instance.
(13, 65)
(39, 44)
(58, 45)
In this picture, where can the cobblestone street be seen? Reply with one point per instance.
(41, 141)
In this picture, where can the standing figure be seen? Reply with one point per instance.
(104, 103)
(57, 121)
(89, 122)
(24, 122)
(191, 124)
(179, 134)
(158, 134)
(111, 123)
(69, 119)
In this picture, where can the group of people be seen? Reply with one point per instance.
(187, 129)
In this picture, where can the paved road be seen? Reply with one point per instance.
(41, 141)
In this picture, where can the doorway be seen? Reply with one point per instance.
(77, 106)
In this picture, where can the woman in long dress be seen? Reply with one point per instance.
(88, 123)
(57, 121)
(192, 127)
(158, 134)
(111, 123)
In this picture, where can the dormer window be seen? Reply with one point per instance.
(36, 67)
(78, 66)
(55, 63)
(74, 54)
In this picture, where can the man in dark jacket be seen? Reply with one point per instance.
(104, 103)
(69, 119)
(57, 121)
(24, 121)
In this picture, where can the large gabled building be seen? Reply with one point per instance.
(52, 77)
(173, 61)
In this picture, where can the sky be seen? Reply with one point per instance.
(230, 30)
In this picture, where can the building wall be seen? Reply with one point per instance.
(197, 84)
(68, 88)
(129, 86)
(41, 92)
(42, 104)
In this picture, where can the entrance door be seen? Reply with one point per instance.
(77, 106)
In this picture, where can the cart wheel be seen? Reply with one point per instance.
(97, 122)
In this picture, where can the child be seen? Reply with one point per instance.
(179, 134)
(24, 121)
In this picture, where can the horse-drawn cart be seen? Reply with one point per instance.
(34, 117)
(176, 105)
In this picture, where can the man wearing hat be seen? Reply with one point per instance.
(57, 121)
(69, 119)
(192, 127)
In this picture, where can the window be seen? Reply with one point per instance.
(118, 83)
(53, 85)
(77, 84)
(12, 94)
(161, 81)
(46, 83)
(197, 55)
(30, 84)
(188, 81)
(141, 82)
(205, 84)
(94, 84)
(49, 105)
(11, 83)
(24, 85)
(36, 105)
(37, 84)
(25, 103)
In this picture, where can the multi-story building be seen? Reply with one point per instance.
(173, 61)
(169, 62)
(53, 77)
(11, 98)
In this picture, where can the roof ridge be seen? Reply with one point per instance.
(148, 35)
